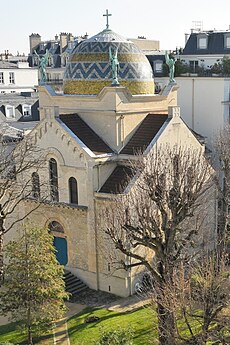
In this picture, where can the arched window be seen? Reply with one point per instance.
(55, 226)
(53, 180)
(73, 193)
(35, 185)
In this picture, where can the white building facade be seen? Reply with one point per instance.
(17, 77)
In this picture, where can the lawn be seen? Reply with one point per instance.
(11, 334)
(142, 321)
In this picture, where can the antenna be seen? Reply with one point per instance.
(197, 25)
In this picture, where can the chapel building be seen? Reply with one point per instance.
(89, 134)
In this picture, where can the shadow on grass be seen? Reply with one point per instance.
(90, 312)
(10, 333)
(144, 330)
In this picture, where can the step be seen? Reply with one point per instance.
(73, 284)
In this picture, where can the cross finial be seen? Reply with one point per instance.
(107, 15)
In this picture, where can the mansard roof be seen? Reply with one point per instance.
(216, 43)
(145, 133)
(85, 133)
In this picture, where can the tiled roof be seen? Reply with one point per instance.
(75, 123)
(145, 133)
(215, 44)
(118, 180)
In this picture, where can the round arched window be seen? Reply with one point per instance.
(55, 226)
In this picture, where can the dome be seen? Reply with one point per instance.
(89, 71)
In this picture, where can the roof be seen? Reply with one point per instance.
(8, 65)
(215, 44)
(85, 133)
(145, 133)
(118, 180)
(10, 133)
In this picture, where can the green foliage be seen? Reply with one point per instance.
(222, 67)
(180, 68)
(33, 289)
(116, 337)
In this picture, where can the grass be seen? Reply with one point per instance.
(10, 333)
(142, 321)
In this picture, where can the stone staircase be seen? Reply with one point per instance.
(73, 285)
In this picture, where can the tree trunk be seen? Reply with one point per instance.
(166, 326)
(1, 255)
(222, 222)
(29, 331)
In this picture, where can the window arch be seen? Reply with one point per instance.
(55, 226)
(53, 174)
(73, 192)
(35, 185)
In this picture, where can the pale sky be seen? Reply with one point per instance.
(166, 21)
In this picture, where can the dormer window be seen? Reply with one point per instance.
(202, 41)
(26, 110)
(227, 41)
(10, 111)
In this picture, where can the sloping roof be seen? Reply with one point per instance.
(145, 133)
(118, 180)
(215, 44)
(75, 123)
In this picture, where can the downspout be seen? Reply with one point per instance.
(96, 232)
(193, 97)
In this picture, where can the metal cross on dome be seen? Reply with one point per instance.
(107, 15)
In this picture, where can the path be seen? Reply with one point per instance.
(61, 336)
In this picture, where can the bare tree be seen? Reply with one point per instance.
(222, 147)
(18, 159)
(156, 222)
(198, 295)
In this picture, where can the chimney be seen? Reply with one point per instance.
(70, 37)
(35, 40)
(186, 36)
(63, 41)
(173, 111)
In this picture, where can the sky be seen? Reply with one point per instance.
(165, 21)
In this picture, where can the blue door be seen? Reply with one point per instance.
(61, 247)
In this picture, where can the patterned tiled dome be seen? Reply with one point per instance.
(89, 69)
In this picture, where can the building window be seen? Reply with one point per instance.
(73, 192)
(35, 186)
(55, 226)
(53, 174)
(1, 78)
(11, 78)
(193, 66)
(26, 110)
(10, 111)
(158, 66)
(202, 42)
(50, 61)
(56, 76)
(227, 41)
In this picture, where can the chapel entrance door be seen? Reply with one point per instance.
(61, 250)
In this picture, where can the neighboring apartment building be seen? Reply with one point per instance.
(17, 77)
(18, 96)
(19, 107)
(204, 103)
(59, 50)
(205, 48)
